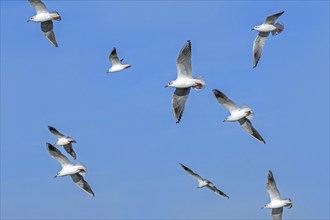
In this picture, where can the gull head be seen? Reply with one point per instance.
(170, 84)
(81, 169)
(71, 140)
(255, 28)
(31, 19)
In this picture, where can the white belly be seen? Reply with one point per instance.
(62, 141)
(42, 17)
(266, 28)
(237, 115)
(276, 204)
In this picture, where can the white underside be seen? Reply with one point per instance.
(117, 68)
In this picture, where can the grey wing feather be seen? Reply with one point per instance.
(113, 57)
(55, 132)
(277, 213)
(212, 187)
(272, 18)
(68, 148)
(179, 100)
(225, 101)
(38, 6)
(247, 126)
(57, 155)
(271, 187)
(190, 172)
(82, 184)
(47, 28)
(183, 62)
(258, 46)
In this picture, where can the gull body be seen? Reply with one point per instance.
(45, 17)
(76, 172)
(116, 63)
(241, 115)
(264, 29)
(204, 182)
(184, 82)
(276, 203)
(64, 141)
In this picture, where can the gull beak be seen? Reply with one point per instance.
(166, 86)
(252, 29)
(55, 176)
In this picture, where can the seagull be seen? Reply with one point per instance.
(64, 141)
(264, 30)
(238, 114)
(45, 18)
(116, 63)
(276, 203)
(184, 82)
(75, 171)
(203, 182)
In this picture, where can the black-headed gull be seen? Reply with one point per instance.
(45, 17)
(238, 114)
(264, 30)
(116, 63)
(276, 203)
(75, 171)
(184, 82)
(203, 182)
(64, 141)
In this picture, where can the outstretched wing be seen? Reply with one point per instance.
(57, 155)
(258, 46)
(82, 184)
(271, 187)
(47, 28)
(225, 101)
(247, 126)
(272, 18)
(212, 187)
(68, 148)
(179, 100)
(191, 173)
(277, 213)
(113, 57)
(55, 132)
(183, 63)
(38, 6)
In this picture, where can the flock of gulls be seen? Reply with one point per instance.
(183, 84)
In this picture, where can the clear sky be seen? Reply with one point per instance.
(126, 134)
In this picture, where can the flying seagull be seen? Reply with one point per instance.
(64, 141)
(238, 114)
(203, 182)
(116, 63)
(276, 203)
(45, 17)
(184, 82)
(75, 171)
(264, 30)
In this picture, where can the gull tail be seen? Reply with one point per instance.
(200, 84)
(279, 28)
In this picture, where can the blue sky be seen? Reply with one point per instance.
(126, 134)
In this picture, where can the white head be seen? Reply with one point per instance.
(256, 28)
(170, 84)
(31, 19)
(82, 170)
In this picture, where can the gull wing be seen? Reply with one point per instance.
(47, 28)
(277, 213)
(212, 187)
(55, 132)
(68, 148)
(183, 63)
(271, 187)
(225, 101)
(191, 173)
(57, 155)
(113, 57)
(82, 184)
(272, 18)
(38, 6)
(247, 126)
(258, 46)
(179, 100)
